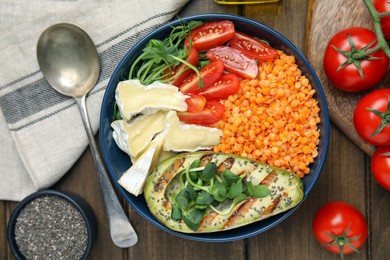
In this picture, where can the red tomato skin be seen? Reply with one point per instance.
(210, 35)
(227, 85)
(213, 112)
(335, 217)
(383, 6)
(366, 122)
(348, 78)
(192, 58)
(380, 166)
(235, 61)
(209, 74)
(252, 47)
(195, 103)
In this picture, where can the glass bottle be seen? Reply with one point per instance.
(231, 2)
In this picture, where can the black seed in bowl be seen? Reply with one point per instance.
(50, 226)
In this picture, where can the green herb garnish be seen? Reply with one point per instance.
(204, 188)
(160, 56)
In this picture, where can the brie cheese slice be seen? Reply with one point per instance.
(186, 137)
(134, 98)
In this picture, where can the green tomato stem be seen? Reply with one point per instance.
(376, 20)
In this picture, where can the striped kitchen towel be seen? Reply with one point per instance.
(41, 132)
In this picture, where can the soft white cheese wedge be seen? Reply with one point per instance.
(186, 137)
(134, 98)
(134, 136)
(134, 178)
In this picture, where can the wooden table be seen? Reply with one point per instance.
(346, 176)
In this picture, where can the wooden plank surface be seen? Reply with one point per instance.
(346, 176)
(325, 19)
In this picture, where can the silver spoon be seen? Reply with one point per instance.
(68, 59)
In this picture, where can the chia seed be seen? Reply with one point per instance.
(50, 227)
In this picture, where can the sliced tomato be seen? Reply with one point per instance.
(209, 74)
(210, 35)
(212, 112)
(235, 61)
(252, 47)
(227, 85)
(195, 103)
(182, 71)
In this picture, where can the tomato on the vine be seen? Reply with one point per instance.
(210, 34)
(380, 166)
(340, 227)
(235, 61)
(371, 117)
(348, 67)
(252, 47)
(383, 6)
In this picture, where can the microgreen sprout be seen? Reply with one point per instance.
(204, 189)
(160, 56)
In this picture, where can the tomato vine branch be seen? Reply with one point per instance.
(376, 20)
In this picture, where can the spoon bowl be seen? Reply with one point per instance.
(68, 59)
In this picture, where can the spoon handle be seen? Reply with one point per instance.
(122, 233)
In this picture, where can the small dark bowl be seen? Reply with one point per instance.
(78, 203)
(118, 162)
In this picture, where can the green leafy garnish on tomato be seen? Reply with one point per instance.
(161, 55)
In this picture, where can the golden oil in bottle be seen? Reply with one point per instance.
(237, 2)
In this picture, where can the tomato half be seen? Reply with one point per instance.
(210, 34)
(211, 113)
(209, 74)
(380, 166)
(347, 77)
(235, 61)
(183, 71)
(384, 6)
(227, 85)
(252, 47)
(340, 227)
(368, 123)
(195, 103)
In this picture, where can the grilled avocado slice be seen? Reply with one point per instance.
(285, 191)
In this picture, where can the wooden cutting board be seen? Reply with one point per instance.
(326, 18)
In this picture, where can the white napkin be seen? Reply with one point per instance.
(41, 132)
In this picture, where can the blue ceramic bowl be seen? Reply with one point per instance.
(118, 162)
(78, 203)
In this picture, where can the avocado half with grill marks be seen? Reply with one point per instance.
(190, 203)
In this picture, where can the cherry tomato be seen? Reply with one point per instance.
(344, 75)
(371, 117)
(212, 112)
(252, 47)
(380, 166)
(340, 227)
(210, 34)
(235, 61)
(195, 103)
(384, 6)
(227, 85)
(182, 71)
(209, 74)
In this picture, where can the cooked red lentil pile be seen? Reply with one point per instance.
(273, 119)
